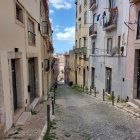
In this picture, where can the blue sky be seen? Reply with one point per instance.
(62, 16)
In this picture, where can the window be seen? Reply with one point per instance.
(80, 2)
(76, 43)
(19, 13)
(31, 32)
(108, 79)
(85, 2)
(138, 27)
(93, 47)
(79, 42)
(76, 11)
(85, 17)
(109, 45)
(45, 27)
(79, 26)
(119, 44)
(76, 26)
(80, 6)
(85, 41)
(112, 3)
(94, 18)
(92, 78)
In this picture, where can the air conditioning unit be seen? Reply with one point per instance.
(114, 51)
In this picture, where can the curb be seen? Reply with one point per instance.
(122, 108)
(44, 130)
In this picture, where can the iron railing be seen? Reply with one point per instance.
(113, 17)
(82, 50)
(93, 29)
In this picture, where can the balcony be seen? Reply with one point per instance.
(93, 30)
(81, 51)
(45, 28)
(112, 22)
(92, 5)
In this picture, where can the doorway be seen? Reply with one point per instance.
(14, 84)
(76, 77)
(84, 77)
(138, 80)
(108, 80)
(92, 78)
(32, 81)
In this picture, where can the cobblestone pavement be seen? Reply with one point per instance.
(80, 117)
(32, 128)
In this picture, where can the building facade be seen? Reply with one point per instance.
(81, 42)
(21, 58)
(107, 47)
(133, 57)
(66, 68)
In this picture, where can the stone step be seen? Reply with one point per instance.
(23, 118)
(34, 103)
(136, 102)
(133, 105)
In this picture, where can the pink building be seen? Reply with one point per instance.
(133, 51)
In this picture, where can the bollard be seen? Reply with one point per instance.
(48, 118)
(95, 91)
(52, 106)
(113, 98)
(103, 95)
(90, 90)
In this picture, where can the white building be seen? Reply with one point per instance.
(107, 46)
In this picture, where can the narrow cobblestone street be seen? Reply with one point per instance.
(81, 117)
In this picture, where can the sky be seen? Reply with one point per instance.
(62, 17)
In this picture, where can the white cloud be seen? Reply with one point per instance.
(51, 20)
(68, 34)
(58, 28)
(61, 4)
(51, 11)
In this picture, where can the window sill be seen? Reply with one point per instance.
(20, 23)
(31, 45)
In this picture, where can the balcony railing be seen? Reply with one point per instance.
(82, 51)
(113, 17)
(92, 4)
(31, 38)
(93, 30)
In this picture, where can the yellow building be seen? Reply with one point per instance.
(72, 66)
(21, 44)
(81, 42)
